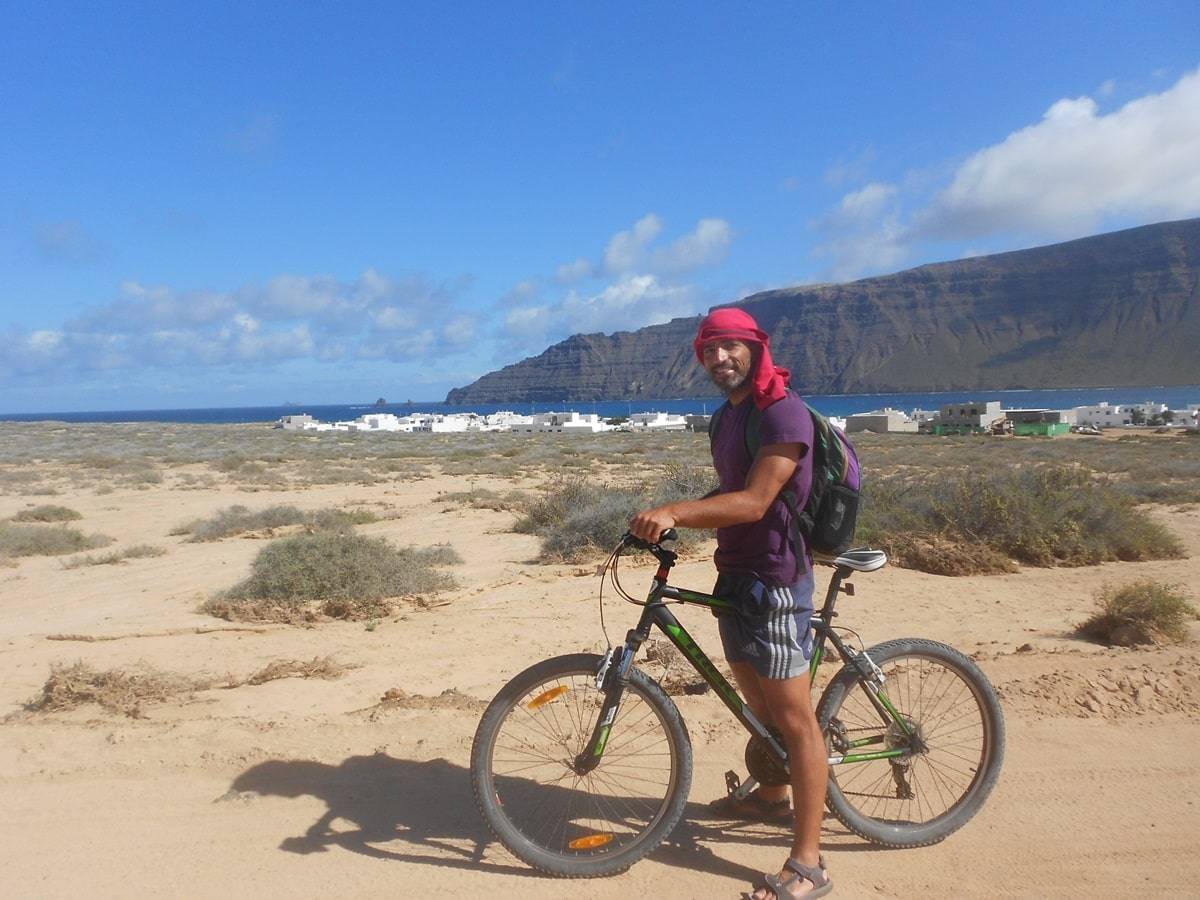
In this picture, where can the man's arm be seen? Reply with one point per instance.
(772, 468)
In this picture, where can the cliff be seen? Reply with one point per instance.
(1114, 309)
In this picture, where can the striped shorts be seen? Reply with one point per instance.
(772, 628)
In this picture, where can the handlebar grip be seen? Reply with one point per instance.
(668, 536)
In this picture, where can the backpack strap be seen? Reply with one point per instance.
(714, 420)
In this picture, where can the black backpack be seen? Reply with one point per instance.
(828, 519)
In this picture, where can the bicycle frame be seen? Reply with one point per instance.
(614, 674)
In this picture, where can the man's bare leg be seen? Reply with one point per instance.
(788, 704)
(747, 682)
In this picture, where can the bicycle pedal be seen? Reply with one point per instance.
(732, 781)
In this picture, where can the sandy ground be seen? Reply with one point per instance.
(311, 788)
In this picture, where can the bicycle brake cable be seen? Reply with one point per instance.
(606, 570)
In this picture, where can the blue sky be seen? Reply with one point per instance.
(219, 204)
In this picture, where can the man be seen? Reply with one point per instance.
(768, 643)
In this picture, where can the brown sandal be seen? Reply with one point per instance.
(821, 882)
(754, 807)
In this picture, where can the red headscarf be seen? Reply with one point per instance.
(770, 381)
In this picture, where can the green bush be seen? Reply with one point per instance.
(339, 574)
(1143, 612)
(48, 512)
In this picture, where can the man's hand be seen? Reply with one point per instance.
(649, 524)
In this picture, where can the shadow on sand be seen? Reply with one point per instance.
(425, 812)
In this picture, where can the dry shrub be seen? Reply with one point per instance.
(941, 556)
(337, 574)
(484, 498)
(1037, 515)
(46, 540)
(672, 672)
(238, 519)
(137, 551)
(578, 518)
(1144, 612)
(317, 667)
(450, 698)
(117, 690)
(47, 512)
(242, 610)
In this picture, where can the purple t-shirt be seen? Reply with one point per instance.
(763, 547)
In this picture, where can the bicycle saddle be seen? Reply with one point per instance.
(862, 559)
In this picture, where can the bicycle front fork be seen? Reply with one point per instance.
(611, 679)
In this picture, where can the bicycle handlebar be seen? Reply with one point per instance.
(663, 549)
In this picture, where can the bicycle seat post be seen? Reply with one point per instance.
(837, 584)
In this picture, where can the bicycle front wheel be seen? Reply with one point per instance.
(953, 734)
(551, 815)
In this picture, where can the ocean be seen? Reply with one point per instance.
(830, 404)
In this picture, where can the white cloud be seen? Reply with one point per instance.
(867, 204)
(630, 251)
(626, 249)
(1076, 167)
(461, 331)
(289, 317)
(644, 285)
(298, 295)
(1071, 173)
(706, 246)
(392, 318)
(626, 305)
(851, 168)
(521, 292)
(569, 273)
(44, 341)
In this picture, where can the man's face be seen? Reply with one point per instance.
(728, 362)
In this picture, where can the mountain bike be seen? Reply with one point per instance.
(581, 764)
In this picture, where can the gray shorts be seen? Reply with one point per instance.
(772, 629)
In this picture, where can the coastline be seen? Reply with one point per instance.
(830, 404)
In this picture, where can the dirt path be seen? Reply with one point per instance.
(311, 788)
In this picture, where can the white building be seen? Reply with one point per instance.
(880, 421)
(294, 422)
(657, 421)
(923, 416)
(1106, 415)
(506, 420)
(381, 422)
(565, 423)
(970, 414)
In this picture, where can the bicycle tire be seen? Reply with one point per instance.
(959, 719)
(549, 816)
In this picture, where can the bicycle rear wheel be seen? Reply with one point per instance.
(958, 744)
(550, 815)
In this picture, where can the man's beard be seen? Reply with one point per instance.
(728, 386)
